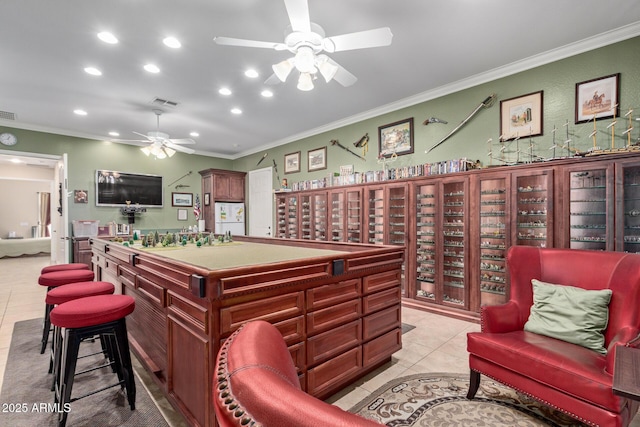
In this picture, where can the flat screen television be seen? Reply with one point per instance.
(115, 188)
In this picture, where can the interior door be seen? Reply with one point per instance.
(60, 241)
(260, 202)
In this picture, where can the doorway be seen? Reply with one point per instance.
(261, 202)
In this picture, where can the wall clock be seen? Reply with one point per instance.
(8, 139)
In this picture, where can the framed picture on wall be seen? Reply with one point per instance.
(80, 196)
(598, 98)
(292, 162)
(207, 199)
(396, 138)
(182, 199)
(183, 214)
(521, 116)
(317, 159)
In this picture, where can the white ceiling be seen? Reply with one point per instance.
(438, 46)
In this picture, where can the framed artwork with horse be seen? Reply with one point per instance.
(598, 99)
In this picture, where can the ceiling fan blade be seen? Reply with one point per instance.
(184, 141)
(298, 11)
(144, 136)
(342, 76)
(360, 40)
(179, 148)
(230, 41)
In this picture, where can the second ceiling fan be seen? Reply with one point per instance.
(306, 41)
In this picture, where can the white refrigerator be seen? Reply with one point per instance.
(229, 217)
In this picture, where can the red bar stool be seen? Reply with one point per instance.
(63, 267)
(85, 317)
(53, 280)
(70, 292)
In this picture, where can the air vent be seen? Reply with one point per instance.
(159, 102)
(5, 115)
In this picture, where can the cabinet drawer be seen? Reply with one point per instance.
(83, 245)
(151, 290)
(272, 310)
(382, 299)
(188, 312)
(292, 330)
(327, 295)
(324, 377)
(382, 347)
(323, 346)
(330, 317)
(297, 354)
(380, 281)
(380, 322)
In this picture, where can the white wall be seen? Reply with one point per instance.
(19, 187)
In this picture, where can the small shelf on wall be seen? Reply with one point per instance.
(131, 211)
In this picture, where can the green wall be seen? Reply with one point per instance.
(556, 79)
(85, 156)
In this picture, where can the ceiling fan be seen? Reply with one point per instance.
(306, 40)
(160, 145)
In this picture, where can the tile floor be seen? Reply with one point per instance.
(437, 344)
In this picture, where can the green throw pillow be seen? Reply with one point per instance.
(571, 314)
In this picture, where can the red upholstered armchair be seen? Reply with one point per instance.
(568, 377)
(256, 384)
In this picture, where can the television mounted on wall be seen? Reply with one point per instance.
(115, 188)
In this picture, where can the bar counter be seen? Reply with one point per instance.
(336, 304)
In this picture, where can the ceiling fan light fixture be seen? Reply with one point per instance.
(282, 69)
(169, 152)
(146, 151)
(305, 82)
(305, 60)
(327, 69)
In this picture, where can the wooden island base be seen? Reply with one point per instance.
(336, 304)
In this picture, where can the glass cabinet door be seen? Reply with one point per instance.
(281, 216)
(292, 217)
(590, 208)
(337, 216)
(454, 226)
(426, 246)
(354, 216)
(628, 209)
(305, 216)
(319, 206)
(494, 240)
(375, 216)
(397, 215)
(534, 205)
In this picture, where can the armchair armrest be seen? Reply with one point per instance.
(501, 318)
(628, 336)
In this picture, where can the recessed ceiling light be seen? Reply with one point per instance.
(251, 73)
(194, 134)
(152, 68)
(236, 111)
(114, 133)
(107, 37)
(172, 42)
(225, 91)
(14, 160)
(80, 112)
(93, 71)
(266, 93)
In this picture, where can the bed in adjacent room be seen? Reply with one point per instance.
(20, 247)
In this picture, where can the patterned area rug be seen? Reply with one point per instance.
(440, 400)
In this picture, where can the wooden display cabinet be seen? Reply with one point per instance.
(287, 222)
(464, 223)
(223, 186)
